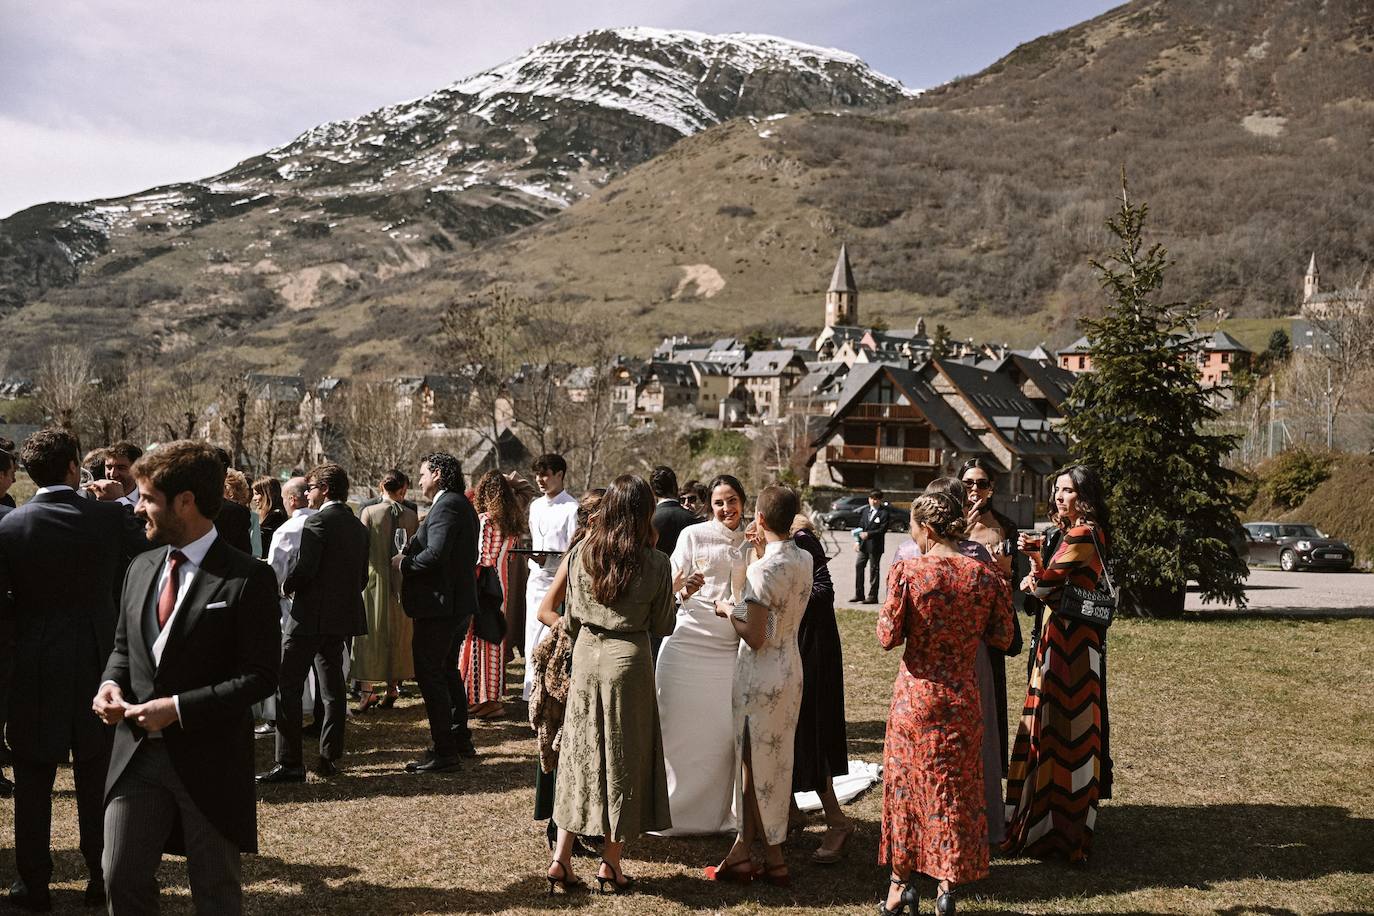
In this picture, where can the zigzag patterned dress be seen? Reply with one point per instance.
(1059, 764)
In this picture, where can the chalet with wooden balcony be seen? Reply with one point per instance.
(1017, 435)
(890, 430)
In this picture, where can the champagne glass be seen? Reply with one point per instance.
(87, 478)
(399, 539)
(700, 564)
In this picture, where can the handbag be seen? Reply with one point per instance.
(489, 623)
(1096, 606)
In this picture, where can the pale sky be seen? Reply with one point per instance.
(100, 98)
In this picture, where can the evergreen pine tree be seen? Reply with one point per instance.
(1141, 418)
(939, 344)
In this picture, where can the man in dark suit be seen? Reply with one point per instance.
(197, 644)
(439, 591)
(62, 557)
(669, 515)
(873, 523)
(326, 583)
(233, 521)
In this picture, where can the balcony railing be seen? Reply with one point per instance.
(883, 454)
(884, 412)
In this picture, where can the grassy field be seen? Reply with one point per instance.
(1245, 784)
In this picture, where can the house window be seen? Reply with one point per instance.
(1226, 357)
(886, 394)
(1082, 362)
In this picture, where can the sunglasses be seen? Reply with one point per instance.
(979, 484)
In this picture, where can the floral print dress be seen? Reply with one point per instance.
(934, 820)
(768, 682)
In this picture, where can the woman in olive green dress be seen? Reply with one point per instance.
(611, 777)
(383, 656)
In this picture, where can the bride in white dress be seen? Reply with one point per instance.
(696, 671)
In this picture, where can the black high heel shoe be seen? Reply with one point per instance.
(620, 884)
(567, 883)
(387, 701)
(908, 898)
(944, 903)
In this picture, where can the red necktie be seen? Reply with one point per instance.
(167, 601)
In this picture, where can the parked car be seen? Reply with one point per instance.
(844, 514)
(1294, 547)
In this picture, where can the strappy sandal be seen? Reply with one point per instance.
(565, 884)
(823, 856)
(741, 872)
(908, 898)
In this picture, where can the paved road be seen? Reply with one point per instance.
(1267, 590)
(1302, 593)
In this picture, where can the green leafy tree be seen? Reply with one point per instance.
(1141, 417)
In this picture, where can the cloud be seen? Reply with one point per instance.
(82, 162)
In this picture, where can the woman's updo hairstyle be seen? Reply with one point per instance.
(941, 512)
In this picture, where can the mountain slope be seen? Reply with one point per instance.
(354, 202)
(1245, 126)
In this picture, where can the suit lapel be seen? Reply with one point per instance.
(135, 630)
(207, 581)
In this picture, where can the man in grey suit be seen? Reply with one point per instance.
(196, 644)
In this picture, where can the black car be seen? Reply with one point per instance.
(1296, 547)
(844, 514)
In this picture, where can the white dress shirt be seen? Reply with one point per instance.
(55, 488)
(286, 543)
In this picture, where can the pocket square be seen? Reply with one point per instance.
(214, 604)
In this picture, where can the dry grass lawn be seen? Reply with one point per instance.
(1245, 784)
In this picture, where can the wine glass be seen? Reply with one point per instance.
(87, 478)
(700, 564)
(400, 538)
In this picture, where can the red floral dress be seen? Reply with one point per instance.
(480, 661)
(934, 820)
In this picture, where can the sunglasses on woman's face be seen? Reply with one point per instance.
(980, 484)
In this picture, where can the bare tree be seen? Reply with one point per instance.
(1345, 322)
(383, 429)
(181, 399)
(482, 336)
(64, 383)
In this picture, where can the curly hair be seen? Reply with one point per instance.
(448, 469)
(496, 497)
(236, 487)
(622, 528)
(941, 511)
(587, 508)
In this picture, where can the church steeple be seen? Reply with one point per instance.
(1311, 283)
(842, 299)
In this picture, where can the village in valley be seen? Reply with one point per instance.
(851, 408)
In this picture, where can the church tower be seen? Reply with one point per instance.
(842, 299)
(1311, 283)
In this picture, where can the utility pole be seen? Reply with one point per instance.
(1271, 416)
(1330, 414)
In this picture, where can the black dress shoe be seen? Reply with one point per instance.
(95, 893)
(435, 764)
(281, 773)
(35, 901)
(325, 767)
(468, 750)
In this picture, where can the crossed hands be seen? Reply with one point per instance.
(110, 707)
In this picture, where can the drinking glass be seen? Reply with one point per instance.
(400, 538)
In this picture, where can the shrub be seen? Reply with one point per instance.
(1293, 476)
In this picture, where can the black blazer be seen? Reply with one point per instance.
(874, 522)
(221, 657)
(439, 568)
(328, 576)
(62, 559)
(670, 518)
(234, 525)
(268, 527)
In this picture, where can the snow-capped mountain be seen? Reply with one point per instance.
(488, 154)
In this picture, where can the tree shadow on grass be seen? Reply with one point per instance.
(1142, 847)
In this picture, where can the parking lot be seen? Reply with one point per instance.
(1267, 590)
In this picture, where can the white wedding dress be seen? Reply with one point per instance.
(696, 675)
